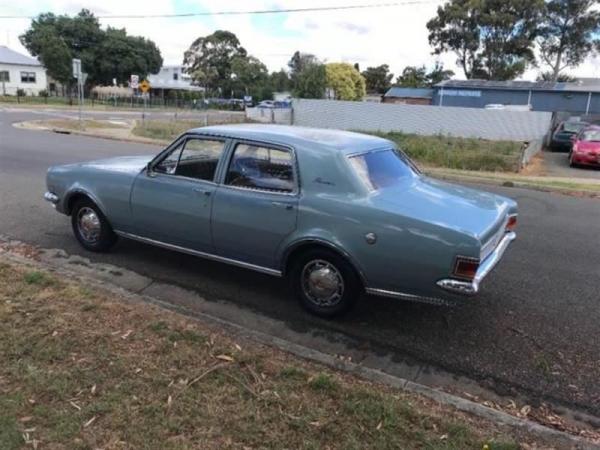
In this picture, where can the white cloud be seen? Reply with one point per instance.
(393, 35)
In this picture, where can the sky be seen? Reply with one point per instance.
(394, 35)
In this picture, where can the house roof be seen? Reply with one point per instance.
(580, 85)
(8, 56)
(409, 92)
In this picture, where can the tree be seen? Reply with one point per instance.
(104, 55)
(124, 55)
(347, 82)
(280, 81)
(549, 76)
(492, 39)
(413, 76)
(378, 79)
(208, 59)
(250, 77)
(568, 33)
(307, 75)
(311, 81)
(438, 74)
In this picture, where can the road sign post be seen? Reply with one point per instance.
(79, 75)
(144, 86)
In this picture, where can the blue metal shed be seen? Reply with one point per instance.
(581, 96)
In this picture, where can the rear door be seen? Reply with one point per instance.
(172, 201)
(256, 206)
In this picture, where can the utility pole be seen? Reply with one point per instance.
(77, 74)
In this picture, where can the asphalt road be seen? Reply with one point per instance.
(534, 328)
(556, 164)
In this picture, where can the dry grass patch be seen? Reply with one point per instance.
(84, 369)
(167, 130)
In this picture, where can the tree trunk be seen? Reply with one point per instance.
(556, 68)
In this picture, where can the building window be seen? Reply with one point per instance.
(4, 75)
(27, 77)
(175, 76)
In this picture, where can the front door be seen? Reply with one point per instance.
(171, 202)
(256, 207)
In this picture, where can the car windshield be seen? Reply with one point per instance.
(382, 168)
(573, 127)
(591, 135)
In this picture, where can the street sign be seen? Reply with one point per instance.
(76, 68)
(144, 86)
(134, 81)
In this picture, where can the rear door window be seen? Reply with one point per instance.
(262, 168)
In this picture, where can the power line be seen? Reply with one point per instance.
(252, 12)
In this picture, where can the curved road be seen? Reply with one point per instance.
(535, 328)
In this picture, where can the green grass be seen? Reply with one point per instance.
(459, 153)
(149, 378)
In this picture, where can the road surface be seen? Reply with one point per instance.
(534, 328)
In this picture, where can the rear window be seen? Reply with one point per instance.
(573, 127)
(382, 168)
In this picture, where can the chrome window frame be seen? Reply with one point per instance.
(269, 145)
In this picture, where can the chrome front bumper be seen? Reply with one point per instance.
(51, 197)
(472, 287)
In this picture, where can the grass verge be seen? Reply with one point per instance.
(167, 130)
(85, 369)
(459, 153)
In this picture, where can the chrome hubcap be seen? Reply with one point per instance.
(88, 224)
(322, 283)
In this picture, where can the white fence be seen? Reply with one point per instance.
(270, 115)
(421, 119)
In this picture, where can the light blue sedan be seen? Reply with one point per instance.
(339, 213)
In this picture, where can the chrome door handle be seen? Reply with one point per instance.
(201, 191)
(283, 205)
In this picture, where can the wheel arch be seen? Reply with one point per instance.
(299, 247)
(77, 194)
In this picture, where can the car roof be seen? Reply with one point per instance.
(315, 138)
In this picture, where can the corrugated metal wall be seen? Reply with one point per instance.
(550, 101)
(424, 120)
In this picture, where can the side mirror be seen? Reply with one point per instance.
(149, 169)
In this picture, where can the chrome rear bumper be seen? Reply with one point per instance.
(472, 287)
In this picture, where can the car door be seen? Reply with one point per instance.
(171, 202)
(256, 205)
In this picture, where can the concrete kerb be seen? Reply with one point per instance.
(138, 288)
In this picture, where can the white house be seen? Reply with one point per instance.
(18, 71)
(171, 78)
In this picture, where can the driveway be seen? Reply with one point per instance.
(556, 164)
(533, 329)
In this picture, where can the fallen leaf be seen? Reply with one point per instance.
(93, 390)
(378, 427)
(443, 437)
(76, 406)
(525, 410)
(126, 335)
(89, 422)
(239, 349)
(25, 419)
(224, 358)
(169, 402)
(54, 333)
(138, 370)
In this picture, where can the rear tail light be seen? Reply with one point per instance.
(511, 225)
(466, 267)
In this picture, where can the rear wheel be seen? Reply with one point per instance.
(325, 283)
(90, 227)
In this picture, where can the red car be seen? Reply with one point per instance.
(586, 148)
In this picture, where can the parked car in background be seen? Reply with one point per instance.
(562, 137)
(585, 149)
(339, 213)
(266, 104)
(274, 104)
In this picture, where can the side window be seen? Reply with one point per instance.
(257, 167)
(169, 162)
(199, 158)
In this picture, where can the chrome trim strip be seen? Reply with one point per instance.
(409, 297)
(472, 287)
(233, 262)
(51, 197)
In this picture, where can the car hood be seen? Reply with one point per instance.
(463, 209)
(126, 164)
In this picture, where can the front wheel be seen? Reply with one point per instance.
(91, 228)
(325, 283)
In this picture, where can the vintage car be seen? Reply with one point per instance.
(339, 213)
